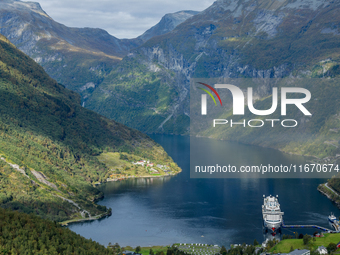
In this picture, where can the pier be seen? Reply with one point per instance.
(272, 215)
(336, 227)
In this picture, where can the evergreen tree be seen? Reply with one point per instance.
(223, 250)
(138, 249)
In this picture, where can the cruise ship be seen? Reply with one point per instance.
(271, 212)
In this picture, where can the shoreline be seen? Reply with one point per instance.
(323, 185)
(109, 213)
(136, 177)
(96, 217)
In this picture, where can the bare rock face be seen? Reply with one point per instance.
(167, 24)
(26, 23)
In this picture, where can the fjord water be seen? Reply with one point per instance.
(161, 211)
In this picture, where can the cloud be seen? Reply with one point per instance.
(123, 19)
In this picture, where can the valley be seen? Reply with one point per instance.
(76, 105)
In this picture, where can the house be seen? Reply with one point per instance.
(300, 252)
(162, 166)
(322, 250)
(141, 162)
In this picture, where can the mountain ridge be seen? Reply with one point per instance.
(228, 39)
(149, 88)
(79, 58)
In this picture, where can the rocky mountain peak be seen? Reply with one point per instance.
(19, 6)
(167, 24)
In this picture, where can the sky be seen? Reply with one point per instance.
(122, 19)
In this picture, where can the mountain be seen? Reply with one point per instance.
(231, 38)
(79, 58)
(167, 24)
(52, 149)
(149, 88)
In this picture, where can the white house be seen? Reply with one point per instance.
(322, 250)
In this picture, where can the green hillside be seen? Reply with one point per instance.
(144, 97)
(28, 234)
(284, 246)
(49, 144)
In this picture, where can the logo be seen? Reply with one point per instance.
(204, 98)
(239, 103)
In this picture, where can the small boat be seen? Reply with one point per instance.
(331, 218)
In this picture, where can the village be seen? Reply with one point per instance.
(164, 168)
(123, 168)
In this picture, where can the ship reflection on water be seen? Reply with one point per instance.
(271, 236)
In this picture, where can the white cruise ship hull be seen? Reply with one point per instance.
(272, 214)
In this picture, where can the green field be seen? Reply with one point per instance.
(146, 250)
(285, 245)
(184, 248)
(121, 165)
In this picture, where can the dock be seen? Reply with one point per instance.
(336, 227)
(271, 210)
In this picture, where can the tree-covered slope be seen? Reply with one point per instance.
(49, 144)
(21, 233)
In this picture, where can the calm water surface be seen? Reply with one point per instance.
(162, 211)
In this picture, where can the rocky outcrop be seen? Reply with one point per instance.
(43, 179)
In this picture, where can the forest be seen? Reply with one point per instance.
(29, 234)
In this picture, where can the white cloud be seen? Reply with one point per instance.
(123, 19)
